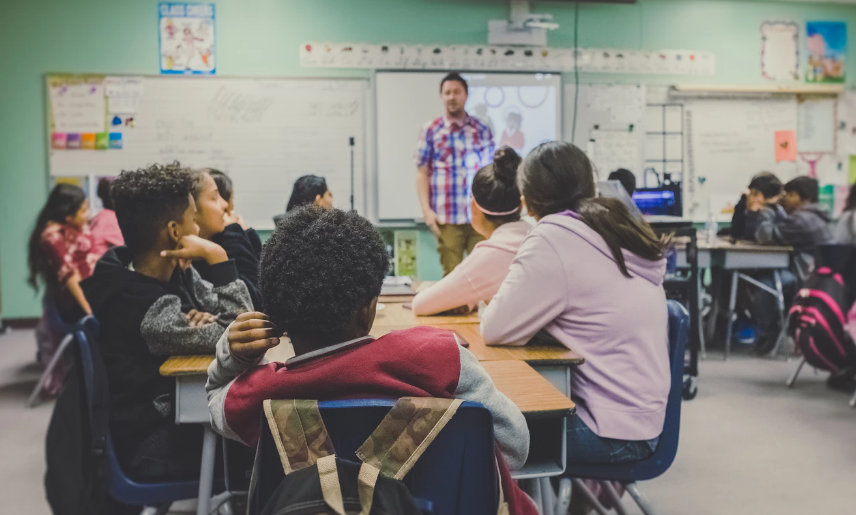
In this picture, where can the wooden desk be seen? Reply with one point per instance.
(396, 315)
(737, 255)
(546, 409)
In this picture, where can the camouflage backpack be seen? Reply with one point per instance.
(318, 482)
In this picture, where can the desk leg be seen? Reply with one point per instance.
(783, 332)
(732, 302)
(206, 473)
(715, 286)
(701, 336)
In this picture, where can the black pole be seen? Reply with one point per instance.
(351, 142)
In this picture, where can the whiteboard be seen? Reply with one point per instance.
(407, 101)
(729, 141)
(604, 116)
(264, 133)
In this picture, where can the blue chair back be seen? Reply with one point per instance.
(457, 475)
(122, 488)
(54, 319)
(664, 455)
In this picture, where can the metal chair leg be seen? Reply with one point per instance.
(853, 401)
(613, 496)
(639, 497)
(34, 397)
(732, 302)
(563, 503)
(548, 495)
(580, 485)
(793, 378)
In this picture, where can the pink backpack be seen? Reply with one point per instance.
(818, 325)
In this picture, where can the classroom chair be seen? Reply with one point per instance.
(155, 497)
(456, 476)
(55, 324)
(656, 464)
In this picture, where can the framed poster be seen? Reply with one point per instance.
(187, 38)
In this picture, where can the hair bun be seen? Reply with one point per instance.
(505, 164)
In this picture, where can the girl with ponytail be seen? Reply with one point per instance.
(496, 216)
(591, 277)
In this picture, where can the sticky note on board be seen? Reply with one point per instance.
(116, 140)
(102, 141)
(851, 171)
(87, 141)
(59, 141)
(73, 141)
(786, 146)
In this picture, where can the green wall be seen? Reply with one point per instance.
(260, 38)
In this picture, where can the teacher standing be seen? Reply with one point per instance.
(451, 150)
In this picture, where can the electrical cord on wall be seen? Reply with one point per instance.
(576, 71)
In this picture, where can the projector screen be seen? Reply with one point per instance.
(521, 109)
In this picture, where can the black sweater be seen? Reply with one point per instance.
(143, 323)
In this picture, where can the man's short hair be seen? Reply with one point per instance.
(319, 268)
(146, 200)
(806, 187)
(767, 183)
(455, 76)
(626, 178)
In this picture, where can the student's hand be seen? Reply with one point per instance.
(234, 218)
(199, 318)
(193, 247)
(251, 335)
(431, 221)
(755, 201)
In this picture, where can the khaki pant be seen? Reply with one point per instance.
(453, 241)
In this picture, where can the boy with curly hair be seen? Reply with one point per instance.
(320, 277)
(151, 304)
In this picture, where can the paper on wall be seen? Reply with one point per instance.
(816, 125)
(79, 107)
(847, 123)
(780, 50)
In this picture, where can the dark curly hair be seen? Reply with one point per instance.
(319, 268)
(149, 198)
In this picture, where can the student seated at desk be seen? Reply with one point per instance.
(227, 193)
(151, 304)
(496, 216)
(307, 190)
(60, 254)
(761, 203)
(216, 225)
(321, 275)
(591, 276)
(104, 227)
(803, 225)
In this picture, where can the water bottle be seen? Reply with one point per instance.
(711, 227)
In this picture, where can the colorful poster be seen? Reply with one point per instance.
(187, 39)
(786, 146)
(827, 51)
(780, 50)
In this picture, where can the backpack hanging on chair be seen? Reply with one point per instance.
(317, 482)
(817, 322)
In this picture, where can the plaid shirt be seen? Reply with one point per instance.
(453, 154)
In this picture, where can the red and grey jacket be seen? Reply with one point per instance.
(417, 362)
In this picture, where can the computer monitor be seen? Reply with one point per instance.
(664, 200)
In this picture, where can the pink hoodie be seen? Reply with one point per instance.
(478, 276)
(565, 279)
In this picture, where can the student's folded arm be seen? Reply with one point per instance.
(509, 425)
(221, 375)
(767, 232)
(452, 291)
(795, 230)
(239, 248)
(167, 331)
(225, 296)
(532, 295)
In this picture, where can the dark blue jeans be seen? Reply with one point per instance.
(584, 446)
